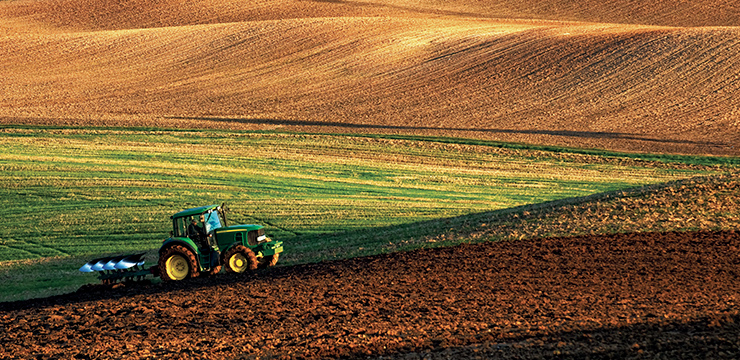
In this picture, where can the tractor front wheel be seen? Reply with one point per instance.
(177, 263)
(240, 259)
(268, 261)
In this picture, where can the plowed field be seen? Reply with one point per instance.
(626, 75)
(660, 76)
(647, 295)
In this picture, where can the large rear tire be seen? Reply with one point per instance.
(268, 261)
(177, 263)
(239, 259)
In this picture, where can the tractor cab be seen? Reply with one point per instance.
(199, 225)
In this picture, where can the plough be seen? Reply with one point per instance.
(119, 268)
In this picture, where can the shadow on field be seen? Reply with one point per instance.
(697, 338)
(350, 241)
(564, 133)
(99, 292)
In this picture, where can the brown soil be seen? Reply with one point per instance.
(642, 295)
(654, 77)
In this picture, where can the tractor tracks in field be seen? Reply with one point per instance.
(34, 248)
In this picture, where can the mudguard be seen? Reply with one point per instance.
(190, 244)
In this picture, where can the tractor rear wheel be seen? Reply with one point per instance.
(239, 259)
(268, 261)
(177, 263)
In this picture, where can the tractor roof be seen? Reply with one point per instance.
(195, 211)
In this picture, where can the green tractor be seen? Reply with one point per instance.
(201, 242)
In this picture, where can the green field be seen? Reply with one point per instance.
(71, 194)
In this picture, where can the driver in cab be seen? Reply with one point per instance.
(195, 232)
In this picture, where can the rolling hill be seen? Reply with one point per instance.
(623, 75)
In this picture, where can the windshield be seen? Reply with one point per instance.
(212, 221)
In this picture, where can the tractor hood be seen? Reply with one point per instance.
(239, 228)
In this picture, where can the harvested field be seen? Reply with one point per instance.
(648, 295)
(617, 75)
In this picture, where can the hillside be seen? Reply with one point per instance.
(126, 14)
(619, 75)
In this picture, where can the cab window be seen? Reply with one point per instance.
(180, 227)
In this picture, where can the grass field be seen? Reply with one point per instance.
(71, 194)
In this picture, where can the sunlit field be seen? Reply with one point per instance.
(76, 193)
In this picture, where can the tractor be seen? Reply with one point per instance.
(200, 242)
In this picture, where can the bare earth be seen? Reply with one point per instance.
(658, 76)
(646, 295)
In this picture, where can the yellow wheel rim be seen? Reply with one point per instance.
(238, 263)
(177, 267)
